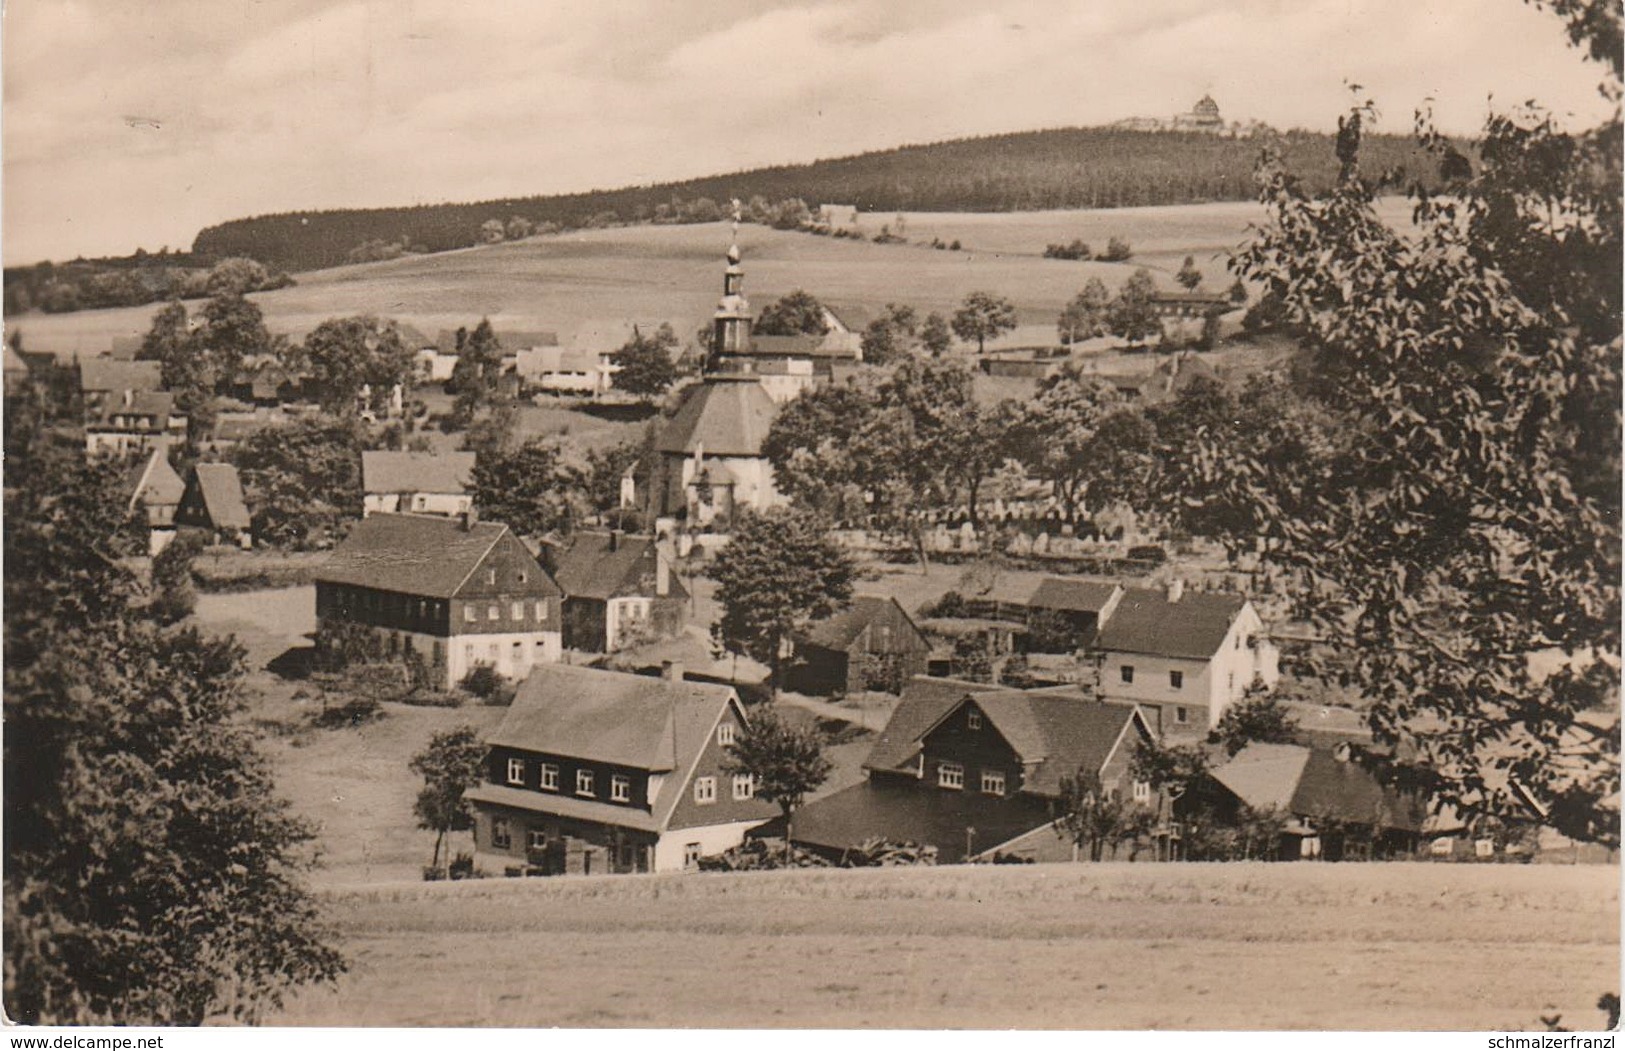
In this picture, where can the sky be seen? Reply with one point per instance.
(136, 124)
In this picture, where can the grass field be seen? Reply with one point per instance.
(650, 274)
(1105, 946)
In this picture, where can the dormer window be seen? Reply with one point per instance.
(973, 719)
(490, 576)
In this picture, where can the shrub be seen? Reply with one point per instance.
(1076, 250)
(432, 699)
(353, 712)
(482, 681)
(1117, 251)
(951, 604)
(885, 672)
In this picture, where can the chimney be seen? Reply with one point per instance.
(671, 671)
(1176, 589)
(471, 518)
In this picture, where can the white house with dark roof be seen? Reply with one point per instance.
(134, 421)
(594, 772)
(711, 461)
(1185, 655)
(155, 490)
(456, 591)
(421, 483)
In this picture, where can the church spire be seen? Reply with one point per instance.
(731, 331)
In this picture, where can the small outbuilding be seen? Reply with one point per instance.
(213, 501)
(869, 643)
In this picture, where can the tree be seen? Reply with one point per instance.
(934, 335)
(1117, 251)
(1085, 316)
(795, 314)
(983, 316)
(1468, 544)
(1055, 438)
(778, 572)
(891, 336)
(173, 595)
(1256, 717)
(533, 489)
(449, 766)
(476, 377)
(786, 763)
(352, 356)
(230, 329)
(303, 480)
(237, 276)
(1189, 277)
(519, 228)
(1132, 315)
(152, 875)
(492, 231)
(646, 366)
(1096, 818)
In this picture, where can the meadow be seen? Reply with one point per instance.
(591, 280)
(1093, 946)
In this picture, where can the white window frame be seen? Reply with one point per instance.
(493, 612)
(470, 614)
(993, 782)
(973, 719)
(691, 855)
(951, 775)
(490, 576)
(584, 783)
(725, 734)
(541, 611)
(517, 611)
(705, 790)
(1142, 791)
(550, 777)
(516, 771)
(744, 786)
(501, 833)
(620, 788)
(536, 839)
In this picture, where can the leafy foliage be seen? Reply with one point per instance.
(787, 762)
(1094, 818)
(534, 490)
(303, 480)
(1085, 316)
(646, 365)
(347, 356)
(1132, 316)
(983, 316)
(449, 766)
(798, 313)
(1256, 717)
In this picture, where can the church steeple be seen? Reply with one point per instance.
(731, 326)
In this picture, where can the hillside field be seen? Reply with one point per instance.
(1091, 946)
(597, 279)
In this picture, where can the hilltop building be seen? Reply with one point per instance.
(1202, 117)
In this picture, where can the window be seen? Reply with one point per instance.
(522, 579)
(1128, 672)
(705, 790)
(584, 783)
(1232, 682)
(973, 719)
(518, 611)
(725, 734)
(470, 615)
(1142, 791)
(1182, 714)
(490, 576)
(493, 612)
(993, 782)
(691, 855)
(951, 775)
(550, 776)
(620, 788)
(468, 653)
(423, 608)
(541, 610)
(537, 839)
(744, 786)
(1176, 680)
(516, 771)
(501, 834)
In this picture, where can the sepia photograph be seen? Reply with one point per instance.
(926, 515)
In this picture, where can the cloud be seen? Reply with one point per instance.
(322, 103)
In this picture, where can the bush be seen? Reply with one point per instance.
(756, 854)
(885, 853)
(353, 712)
(951, 604)
(482, 681)
(1076, 250)
(1117, 251)
(432, 699)
(885, 672)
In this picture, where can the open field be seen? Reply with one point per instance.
(1104, 946)
(649, 274)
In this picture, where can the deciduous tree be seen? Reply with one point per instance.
(798, 313)
(983, 316)
(449, 766)
(1085, 316)
(786, 763)
(535, 490)
(1132, 316)
(646, 366)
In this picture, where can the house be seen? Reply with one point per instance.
(213, 501)
(567, 370)
(711, 462)
(107, 381)
(1082, 605)
(457, 591)
(155, 491)
(416, 482)
(599, 771)
(976, 771)
(1186, 656)
(618, 589)
(1334, 807)
(1164, 382)
(231, 429)
(134, 421)
(840, 653)
(1190, 305)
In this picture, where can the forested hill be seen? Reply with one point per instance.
(1058, 168)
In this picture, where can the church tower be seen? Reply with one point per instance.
(731, 326)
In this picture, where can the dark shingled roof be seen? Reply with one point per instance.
(639, 721)
(587, 568)
(1059, 730)
(839, 631)
(1192, 628)
(386, 471)
(1071, 595)
(925, 700)
(722, 418)
(906, 812)
(1313, 782)
(412, 554)
(222, 493)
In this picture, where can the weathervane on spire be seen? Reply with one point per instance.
(736, 215)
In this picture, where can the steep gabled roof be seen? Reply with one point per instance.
(588, 568)
(109, 374)
(841, 630)
(636, 721)
(1191, 628)
(152, 481)
(413, 554)
(1312, 782)
(222, 493)
(384, 471)
(925, 700)
(722, 418)
(1071, 595)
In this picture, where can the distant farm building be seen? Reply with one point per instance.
(416, 482)
(618, 590)
(849, 652)
(214, 502)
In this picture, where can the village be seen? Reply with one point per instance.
(1055, 686)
